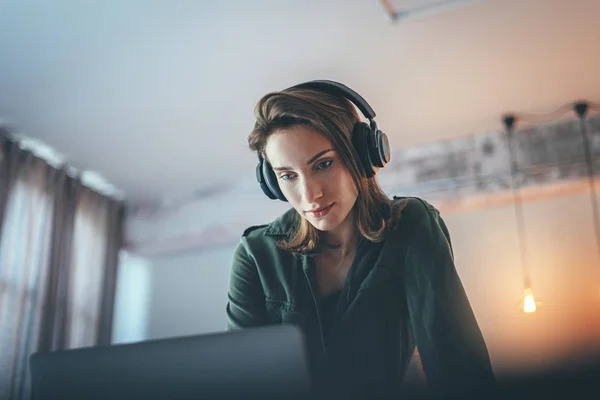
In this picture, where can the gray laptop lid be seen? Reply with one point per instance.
(257, 363)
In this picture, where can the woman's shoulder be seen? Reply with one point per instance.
(408, 215)
(410, 208)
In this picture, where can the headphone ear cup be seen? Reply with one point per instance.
(271, 181)
(362, 145)
(261, 181)
(381, 152)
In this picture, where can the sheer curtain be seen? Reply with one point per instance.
(59, 243)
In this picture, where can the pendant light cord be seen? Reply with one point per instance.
(509, 123)
(581, 109)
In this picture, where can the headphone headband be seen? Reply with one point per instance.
(339, 89)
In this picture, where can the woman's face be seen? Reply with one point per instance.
(312, 176)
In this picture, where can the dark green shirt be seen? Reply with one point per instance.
(401, 292)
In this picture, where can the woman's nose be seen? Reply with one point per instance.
(312, 190)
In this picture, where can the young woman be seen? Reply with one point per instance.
(367, 278)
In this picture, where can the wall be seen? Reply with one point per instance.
(189, 292)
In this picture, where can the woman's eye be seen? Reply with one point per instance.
(324, 164)
(285, 177)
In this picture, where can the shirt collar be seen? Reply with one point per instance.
(285, 225)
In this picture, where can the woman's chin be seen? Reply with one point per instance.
(325, 224)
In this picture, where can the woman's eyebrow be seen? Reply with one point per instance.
(313, 158)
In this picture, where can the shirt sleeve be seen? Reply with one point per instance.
(452, 348)
(246, 302)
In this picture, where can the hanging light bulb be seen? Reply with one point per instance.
(529, 302)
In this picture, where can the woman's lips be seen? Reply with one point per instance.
(320, 212)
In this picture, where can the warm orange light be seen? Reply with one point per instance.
(529, 302)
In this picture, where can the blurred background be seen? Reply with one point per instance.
(126, 180)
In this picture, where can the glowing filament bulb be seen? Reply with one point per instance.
(529, 302)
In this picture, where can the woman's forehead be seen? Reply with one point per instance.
(296, 145)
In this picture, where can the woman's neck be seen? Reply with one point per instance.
(344, 238)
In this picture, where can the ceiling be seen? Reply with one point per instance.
(158, 96)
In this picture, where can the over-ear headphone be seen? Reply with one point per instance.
(370, 143)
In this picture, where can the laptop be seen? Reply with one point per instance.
(257, 363)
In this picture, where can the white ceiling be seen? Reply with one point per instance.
(158, 96)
